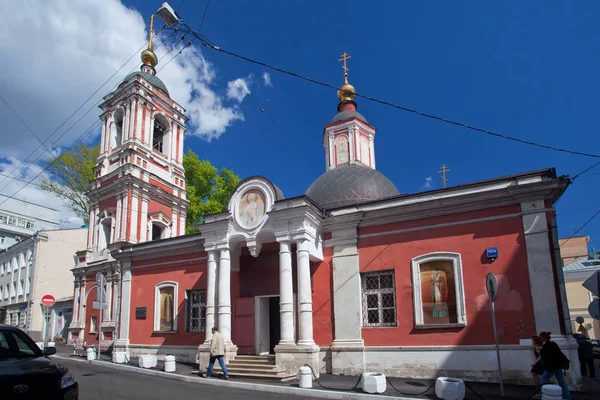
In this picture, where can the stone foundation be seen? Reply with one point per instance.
(291, 357)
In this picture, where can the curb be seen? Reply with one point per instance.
(314, 393)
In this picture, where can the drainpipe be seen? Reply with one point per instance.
(118, 310)
(558, 265)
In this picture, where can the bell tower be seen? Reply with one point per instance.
(139, 191)
(348, 138)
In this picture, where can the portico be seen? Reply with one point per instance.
(259, 216)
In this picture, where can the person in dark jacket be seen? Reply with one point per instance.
(586, 357)
(554, 361)
(537, 367)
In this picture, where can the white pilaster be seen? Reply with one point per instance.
(211, 281)
(144, 220)
(352, 141)
(75, 304)
(125, 303)
(135, 203)
(181, 224)
(125, 130)
(286, 294)
(372, 151)
(174, 228)
(539, 263)
(304, 294)
(91, 226)
(82, 303)
(103, 137)
(109, 294)
(138, 122)
(180, 149)
(131, 118)
(331, 153)
(224, 295)
(115, 300)
(118, 219)
(125, 202)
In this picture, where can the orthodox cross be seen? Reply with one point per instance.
(443, 172)
(345, 57)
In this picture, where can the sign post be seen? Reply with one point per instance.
(491, 285)
(47, 301)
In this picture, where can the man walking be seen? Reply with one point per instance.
(586, 357)
(217, 351)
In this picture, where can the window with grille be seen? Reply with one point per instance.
(196, 311)
(379, 298)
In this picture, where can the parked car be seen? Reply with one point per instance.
(26, 372)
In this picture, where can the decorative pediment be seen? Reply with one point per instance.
(251, 202)
(161, 217)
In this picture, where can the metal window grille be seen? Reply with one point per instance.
(379, 298)
(196, 310)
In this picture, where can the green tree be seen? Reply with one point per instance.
(73, 172)
(209, 189)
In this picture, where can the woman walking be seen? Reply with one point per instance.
(554, 362)
(537, 367)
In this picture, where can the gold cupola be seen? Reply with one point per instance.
(346, 92)
(149, 58)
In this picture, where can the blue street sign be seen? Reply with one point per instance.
(491, 252)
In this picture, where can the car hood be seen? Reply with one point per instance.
(30, 367)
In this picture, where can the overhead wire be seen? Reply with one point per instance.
(207, 43)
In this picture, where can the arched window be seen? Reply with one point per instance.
(117, 129)
(160, 133)
(341, 149)
(165, 307)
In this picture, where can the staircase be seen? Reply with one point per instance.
(255, 367)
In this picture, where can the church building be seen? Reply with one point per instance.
(350, 277)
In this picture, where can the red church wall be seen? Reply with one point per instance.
(108, 203)
(514, 303)
(322, 304)
(143, 283)
(155, 206)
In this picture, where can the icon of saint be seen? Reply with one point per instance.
(252, 212)
(438, 291)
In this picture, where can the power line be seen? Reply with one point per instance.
(204, 16)
(205, 42)
(581, 227)
(585, 170)
(81, 106)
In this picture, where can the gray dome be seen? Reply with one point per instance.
(350, 184)
(153, 80)
(344, 115)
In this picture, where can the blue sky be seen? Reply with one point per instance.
(524, 69)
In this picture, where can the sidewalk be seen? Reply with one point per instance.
(338, 387)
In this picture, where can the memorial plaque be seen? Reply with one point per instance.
(140, 313)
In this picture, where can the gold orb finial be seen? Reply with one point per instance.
(149, 58)
(346, 92)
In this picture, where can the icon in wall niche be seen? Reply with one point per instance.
(438, 292)
(251, 210)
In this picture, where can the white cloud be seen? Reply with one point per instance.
(30, 192)
(267, 79)
(428, 183)
(239, 88)
(55, 57)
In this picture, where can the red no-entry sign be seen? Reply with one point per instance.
(48, 300)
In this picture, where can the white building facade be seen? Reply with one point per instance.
(32, 268)
(20, 219)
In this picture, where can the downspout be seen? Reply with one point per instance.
(118, 310)
(558, 265)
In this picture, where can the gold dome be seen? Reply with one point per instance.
(149, 58)
(346, 92)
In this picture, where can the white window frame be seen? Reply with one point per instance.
(157, 288)
(461, 313)
(379, 292)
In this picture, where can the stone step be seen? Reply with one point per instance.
(274, 372)
(240, 364)
(250, 357)
(279, 378)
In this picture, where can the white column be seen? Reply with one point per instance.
(180, 149)
(372, 148)
(115, 299)
(123, 234)
(118, 219)
(286, 294)
(331, 153)
(131, 118)
(125, 303)
(106, 312)
(305, 317)
(352, 141)
(144, 220)
(135, 203)
(138, 122)
(90, 242)
(174, 228)
(75, 304)
(211, 282)
(147, 126)
(125, 129)
(82, 302)
(224, 295)
(181, 224)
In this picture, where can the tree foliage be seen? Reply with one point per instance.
(73, 171)
(209, 189)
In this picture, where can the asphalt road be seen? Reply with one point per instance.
(101, 383)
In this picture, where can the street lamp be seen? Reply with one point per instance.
(167, 15)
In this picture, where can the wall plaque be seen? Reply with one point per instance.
(140, 313)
